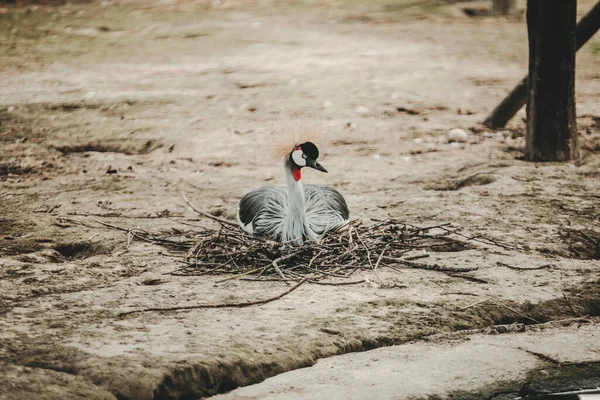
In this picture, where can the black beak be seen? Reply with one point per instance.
(314, 164)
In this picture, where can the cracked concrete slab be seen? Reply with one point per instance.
(564, 346)
(430, 370)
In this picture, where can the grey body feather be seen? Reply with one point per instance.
(294, 212)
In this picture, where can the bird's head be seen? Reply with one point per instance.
(305, 155)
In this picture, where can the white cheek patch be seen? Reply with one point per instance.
(298, 159)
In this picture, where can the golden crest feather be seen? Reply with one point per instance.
(287, 136)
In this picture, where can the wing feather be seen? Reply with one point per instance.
(261, 211)
(326, 208)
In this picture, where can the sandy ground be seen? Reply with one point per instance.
(107, 108)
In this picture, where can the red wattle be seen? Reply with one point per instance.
(296, 174)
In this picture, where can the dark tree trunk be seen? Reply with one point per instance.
(586, 28)
(503, 7)
(551, 124)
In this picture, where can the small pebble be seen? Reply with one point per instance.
(362, 110)
(457, 135)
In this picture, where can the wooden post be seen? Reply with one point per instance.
(551, 122)
(586, 28)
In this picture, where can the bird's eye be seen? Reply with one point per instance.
(304, 155)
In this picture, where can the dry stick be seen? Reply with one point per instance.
(394, 268)
(270, 280)
(466, 277)
(485, 240)
(132, 231)
(337, 283)
(501, 264)
(313, 259)
(488, 241)
(416, 257)
(474, 304)
(591, 239)
(427, 228)
(55, 192)
(586, 28)
(205, 214)
(380, 257)
(350, 241)
(366, 248)
(279, 272)
(222, 305)
(243, 274)
(505, 328)
(474, 238)
(517, 312)
(575, 313)
(432, 267)
(118, 215)
(462, 182)
(458, 293)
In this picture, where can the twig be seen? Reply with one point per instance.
(474, 304)
(494, 329)
(517, 312)
(313, 259)
(366, 248)
(476, 238)
(330, 331)
(462, 182)
(416, 257)
(431, 267)
(591, 239)
(380, 257)
(501, 264)
(221, 305)
(205, 214)
(541, 356)
(575, 313)
(243, 274)
(270, 280)
(282, 258)
(458, 293)
(117, 214)
(338, 283)
(428, 228)
(466, 277)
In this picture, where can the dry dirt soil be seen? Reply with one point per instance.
(108, 108)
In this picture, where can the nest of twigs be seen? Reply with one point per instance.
(340, 254)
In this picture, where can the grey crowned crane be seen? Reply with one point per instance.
(294, 212)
